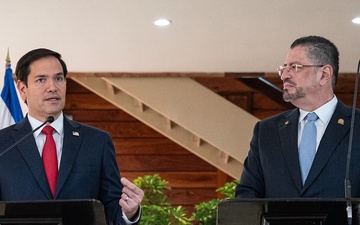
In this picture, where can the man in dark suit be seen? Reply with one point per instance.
(274, 167)
(85, 165)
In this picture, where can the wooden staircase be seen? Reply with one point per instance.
(183, 110)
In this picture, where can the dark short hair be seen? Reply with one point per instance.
(321, 51)
(22, 70)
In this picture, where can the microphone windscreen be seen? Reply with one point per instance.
(50, 119)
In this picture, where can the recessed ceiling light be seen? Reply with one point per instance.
(162, 22)
(356, 20)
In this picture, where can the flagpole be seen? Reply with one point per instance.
(8, 61)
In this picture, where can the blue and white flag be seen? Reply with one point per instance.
(10, 110)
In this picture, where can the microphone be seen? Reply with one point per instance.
(50, 119)
(348, 159)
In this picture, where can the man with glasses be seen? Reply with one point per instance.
(303, 152)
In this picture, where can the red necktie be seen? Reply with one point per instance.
(49, 158)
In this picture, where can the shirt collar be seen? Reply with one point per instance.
(324, 112)
(57, 124)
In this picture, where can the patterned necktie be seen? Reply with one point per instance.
(307, 147)
(49, 158)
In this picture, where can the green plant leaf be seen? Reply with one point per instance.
(156, 210)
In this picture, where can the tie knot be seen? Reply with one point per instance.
(47, 130)
(312, 116)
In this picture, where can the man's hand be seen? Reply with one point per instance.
(130, 199)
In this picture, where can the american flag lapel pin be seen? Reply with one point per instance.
(75, 133)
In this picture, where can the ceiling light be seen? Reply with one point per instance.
(162, 22)
(356, 20)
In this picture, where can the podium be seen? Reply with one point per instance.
(299, 211)
(54, 212)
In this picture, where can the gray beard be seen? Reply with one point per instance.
(292, 97)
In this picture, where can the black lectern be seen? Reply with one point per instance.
(56, 212)
(308, 211)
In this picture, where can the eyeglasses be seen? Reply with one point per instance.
(293, 67)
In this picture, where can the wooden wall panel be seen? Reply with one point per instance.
(163, 162)
(87, 101)
(131, 130)
(150, 146)
(96, 115)
(180, 180)
(191, 195)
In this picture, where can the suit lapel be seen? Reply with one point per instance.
(71, 146)
(30, 153)
(288, 130)
(337, 128)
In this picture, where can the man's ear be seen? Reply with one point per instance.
(21, 87)
(326, 74)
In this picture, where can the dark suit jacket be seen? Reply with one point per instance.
(272, 168)
(88, 169)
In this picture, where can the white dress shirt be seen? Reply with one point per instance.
(58, 135)
(324, 113)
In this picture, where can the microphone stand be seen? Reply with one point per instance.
(347, 176)
(50, 119)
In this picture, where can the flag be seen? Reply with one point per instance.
(10, 110)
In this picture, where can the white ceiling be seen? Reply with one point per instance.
(205, 35)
